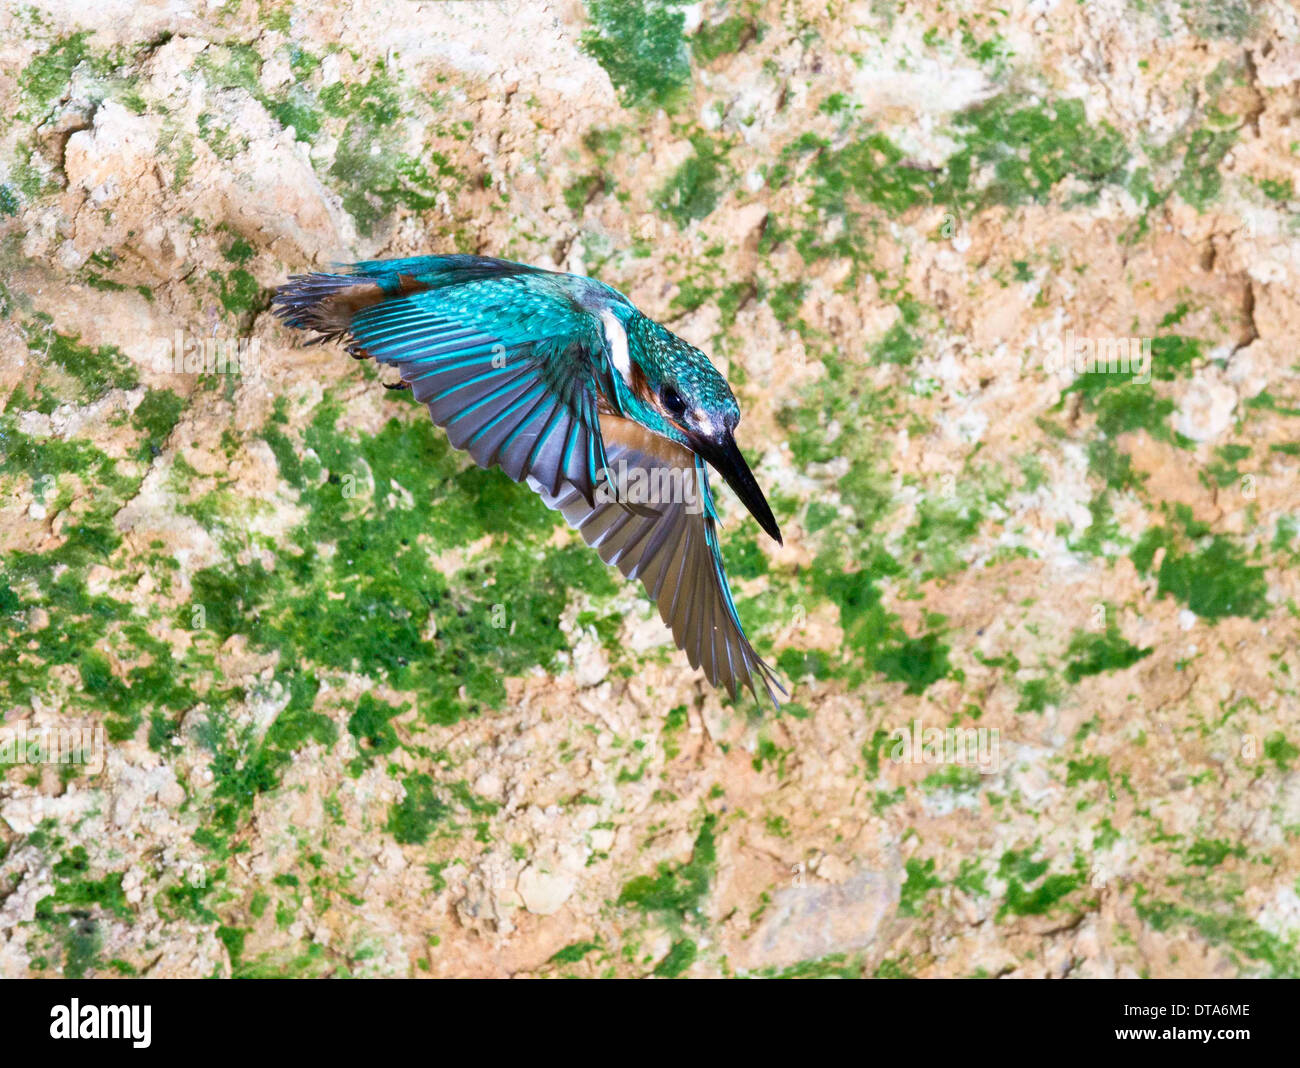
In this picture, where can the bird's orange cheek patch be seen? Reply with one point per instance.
(641, 386)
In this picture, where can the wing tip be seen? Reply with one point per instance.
(755, 667)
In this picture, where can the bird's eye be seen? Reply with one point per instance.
(672, 401)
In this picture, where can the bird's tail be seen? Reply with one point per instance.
(325, 303)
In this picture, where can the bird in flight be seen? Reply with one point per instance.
(561, 382)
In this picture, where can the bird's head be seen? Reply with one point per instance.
(675, 391)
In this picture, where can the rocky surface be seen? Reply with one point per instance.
(366, 710)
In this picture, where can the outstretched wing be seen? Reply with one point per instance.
(652, 518)
(509, 364)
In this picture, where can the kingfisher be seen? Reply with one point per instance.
(560, 381)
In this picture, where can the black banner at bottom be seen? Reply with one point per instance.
(302, 1017)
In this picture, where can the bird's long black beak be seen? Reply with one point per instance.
(723, 453)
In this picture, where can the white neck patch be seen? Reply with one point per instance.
(617, 338)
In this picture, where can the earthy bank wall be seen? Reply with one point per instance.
(358, 708)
